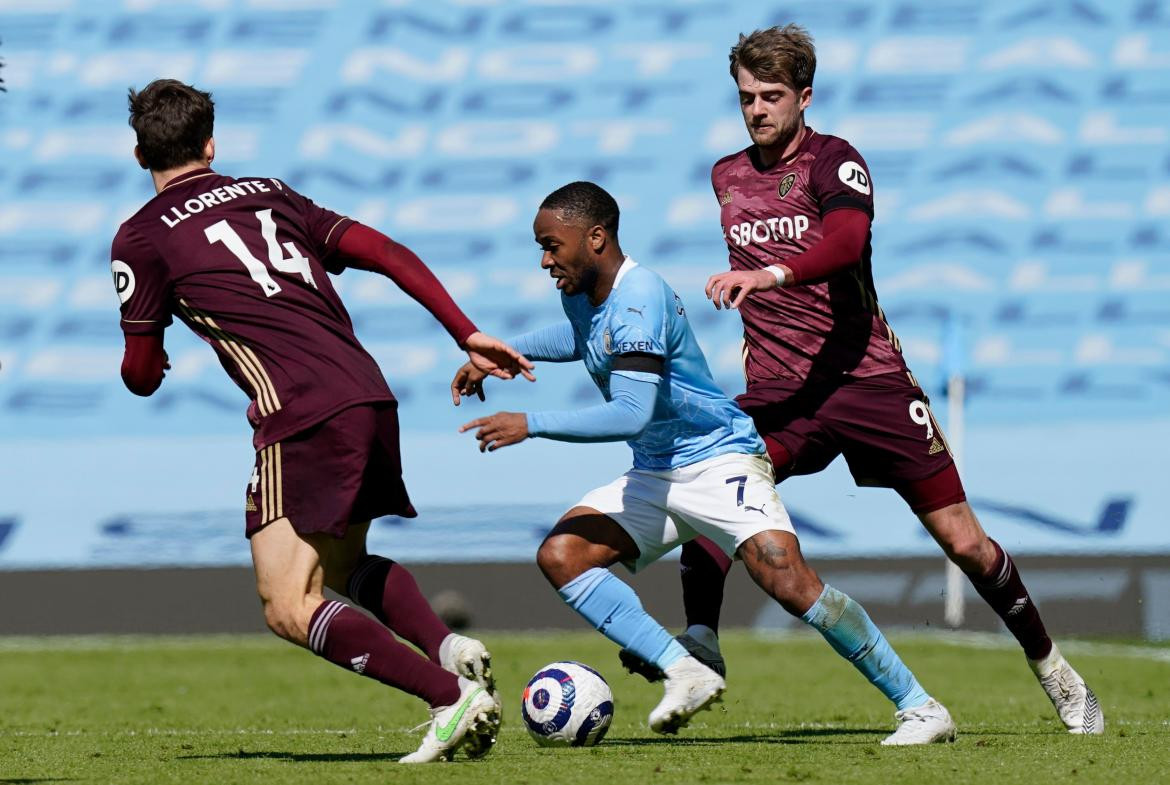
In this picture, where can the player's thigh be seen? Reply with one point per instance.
(636, 502)
(729, 499)
(886, 430)
(342, 556)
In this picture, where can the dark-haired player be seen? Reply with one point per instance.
(825, 373)
(699, 468)
(244, 262)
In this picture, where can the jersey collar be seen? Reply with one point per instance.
(627, 265)
(753, 154)
(185, 176)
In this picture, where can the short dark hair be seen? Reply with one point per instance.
(173, 122)
(586, 202)
(778, 54)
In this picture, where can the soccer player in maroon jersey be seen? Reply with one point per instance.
(825, 372)
(244, 262)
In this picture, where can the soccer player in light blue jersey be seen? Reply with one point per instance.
(700, 467)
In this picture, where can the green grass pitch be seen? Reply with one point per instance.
(251, 709)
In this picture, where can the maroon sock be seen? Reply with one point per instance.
(358, 643)
(703, 568)
(387, 589)
(1003, 590)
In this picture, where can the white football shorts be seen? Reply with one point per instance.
(728, 499)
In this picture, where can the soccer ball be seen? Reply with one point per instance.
(567, 704)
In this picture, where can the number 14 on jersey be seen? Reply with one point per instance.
(295, 263)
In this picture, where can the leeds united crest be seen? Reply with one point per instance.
(786, 184)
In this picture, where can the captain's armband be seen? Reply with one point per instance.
(640, 361)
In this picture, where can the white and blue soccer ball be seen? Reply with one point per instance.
(567, 704)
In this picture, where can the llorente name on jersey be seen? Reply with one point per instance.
(771, 229)
(212, 198)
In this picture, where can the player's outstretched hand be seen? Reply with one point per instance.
(496, 358)
(468, 381)
(730, 289)
(499, 430)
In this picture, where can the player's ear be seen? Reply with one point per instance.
(138, 157)
(597, 238)
(209, 150)
(805, 98)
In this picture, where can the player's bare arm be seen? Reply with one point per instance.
(499, 430)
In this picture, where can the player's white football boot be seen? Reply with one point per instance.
(1074, 701)
(925, 724)
(690, 687)
(470, 722)
(468, 658)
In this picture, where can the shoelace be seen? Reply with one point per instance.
(434, 713)
(913, 715)
(1061, 679)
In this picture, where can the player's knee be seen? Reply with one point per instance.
(560, 560)
(781, 571)
(970, 553)
(284, 619)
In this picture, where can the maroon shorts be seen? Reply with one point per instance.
(344, 470)
(881, 424)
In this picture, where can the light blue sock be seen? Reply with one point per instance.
(615, 611)
(851, 633)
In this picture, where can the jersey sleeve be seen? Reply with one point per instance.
(142, 281)
(638, 323)
(840, 178)
(322, 226)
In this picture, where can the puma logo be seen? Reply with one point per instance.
(636, 310)
(759, 509)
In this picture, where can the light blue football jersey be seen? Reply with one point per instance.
(693, 419)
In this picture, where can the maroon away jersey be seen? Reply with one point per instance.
(243, 263)
(819, 328)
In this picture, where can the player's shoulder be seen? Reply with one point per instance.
(131, 238)
(826, 147)
(639, 286)
(637, 277)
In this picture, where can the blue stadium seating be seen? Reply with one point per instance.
(1020, 153)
